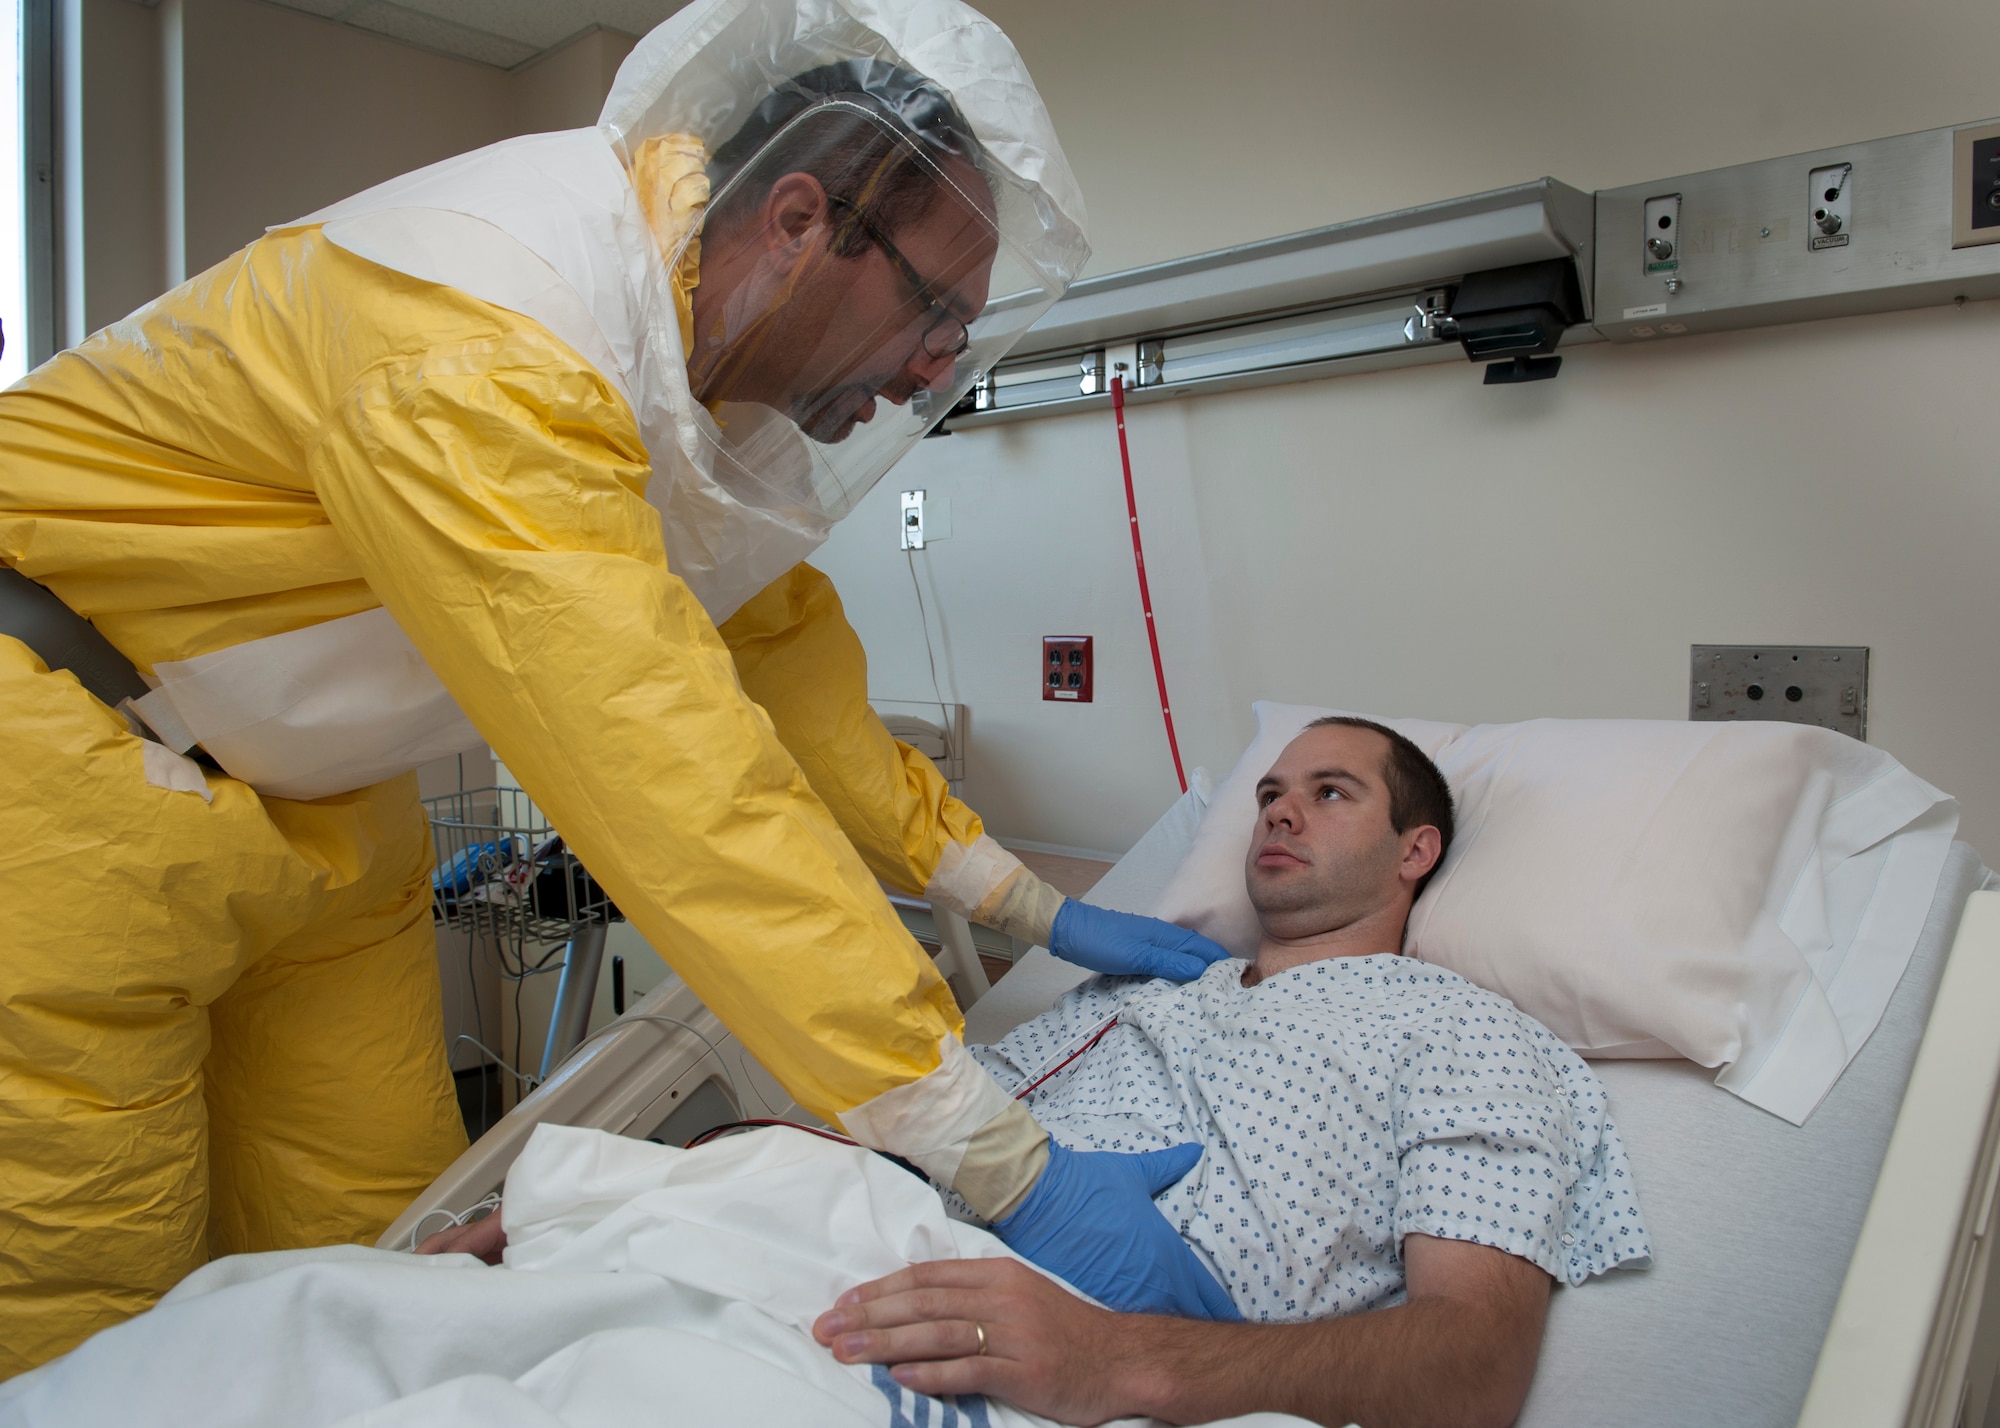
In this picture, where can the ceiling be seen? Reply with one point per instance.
(506, 34)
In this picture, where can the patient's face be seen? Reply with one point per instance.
(1324, 854)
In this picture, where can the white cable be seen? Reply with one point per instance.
(499, 1061)
(629, 1017)
(531, 1083)
(417, 1230)
(492, 1201)
(488, 1202)
(924, 615)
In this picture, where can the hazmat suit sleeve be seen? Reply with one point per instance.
(799, 658)
(491, 492)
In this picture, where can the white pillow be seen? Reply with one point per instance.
(1745, 895)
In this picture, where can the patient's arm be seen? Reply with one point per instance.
(1461, 1351)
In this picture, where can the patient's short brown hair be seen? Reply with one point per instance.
(1418, 794)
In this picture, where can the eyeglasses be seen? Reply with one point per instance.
(944, 338)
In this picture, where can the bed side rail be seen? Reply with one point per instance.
(1911, 1338)
(626, 1079)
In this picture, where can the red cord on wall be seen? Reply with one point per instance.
(1145, 594)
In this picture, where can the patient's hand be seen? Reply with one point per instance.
(1460, 1349)
(1046, 1350)
(482, 1239)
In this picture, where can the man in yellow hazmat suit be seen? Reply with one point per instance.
(525, 447)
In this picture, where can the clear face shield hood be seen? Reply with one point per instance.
(840, 316)
(861, 207)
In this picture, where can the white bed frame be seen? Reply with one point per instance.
(629, 1078)
(1915, 1337)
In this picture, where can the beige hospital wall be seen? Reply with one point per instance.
(566, 89)
(286, 113)
(1412, 542)
(1193, 124)
(280, 113)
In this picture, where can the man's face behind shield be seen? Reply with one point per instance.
(821, 305)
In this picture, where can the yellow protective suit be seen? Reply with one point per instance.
(797, 656)
(219, 1024)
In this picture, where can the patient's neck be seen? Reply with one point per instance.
(1377, 931)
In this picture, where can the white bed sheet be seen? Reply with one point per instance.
(1753, 1223)
(1753, 1220)
(643, 1285)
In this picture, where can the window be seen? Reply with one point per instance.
(13, 195)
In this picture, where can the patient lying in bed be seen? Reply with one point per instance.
(1384, 1143)
(1379, 1135)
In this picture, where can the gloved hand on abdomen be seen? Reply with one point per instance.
(1090, 1219)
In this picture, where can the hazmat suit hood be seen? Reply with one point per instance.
(612, 221)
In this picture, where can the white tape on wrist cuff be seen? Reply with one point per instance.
(930, 1121)
(968, 873)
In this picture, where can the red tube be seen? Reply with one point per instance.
(1145, 594)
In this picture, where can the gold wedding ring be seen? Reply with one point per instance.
(980, 1329)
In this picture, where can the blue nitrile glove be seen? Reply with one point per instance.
(1091, 1220)
(1125, 944)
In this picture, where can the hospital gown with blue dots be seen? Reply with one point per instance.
(1341, 1105)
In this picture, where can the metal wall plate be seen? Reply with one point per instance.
(1414, 248)
(1975, 185)
(1826, 685)
(1752, 253)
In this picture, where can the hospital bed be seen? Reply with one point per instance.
(1835, 1274)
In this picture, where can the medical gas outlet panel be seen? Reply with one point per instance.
(1912, 221)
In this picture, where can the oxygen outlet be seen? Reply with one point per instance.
(1830, 207)
(1662, 234)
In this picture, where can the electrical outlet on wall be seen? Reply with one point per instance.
(1068, 668)
(924, 519)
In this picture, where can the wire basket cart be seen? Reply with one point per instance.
(505, 879)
